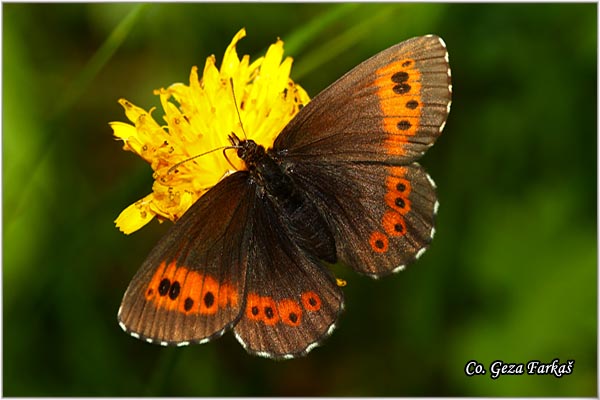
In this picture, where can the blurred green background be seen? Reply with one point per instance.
(511, 274)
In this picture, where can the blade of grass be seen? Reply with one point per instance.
(332, 48)
(163, 373)
(98, 60)
(297, 40)
(70, 96)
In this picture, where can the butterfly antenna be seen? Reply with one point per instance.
(196, 156)
(224, 148)
(237, 109)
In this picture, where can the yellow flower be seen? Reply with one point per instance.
(199, 118)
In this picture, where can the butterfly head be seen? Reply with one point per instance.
(248, 150)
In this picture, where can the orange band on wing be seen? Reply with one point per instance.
(399, 92)
(394, 224)
(177, 288)
(290, 312)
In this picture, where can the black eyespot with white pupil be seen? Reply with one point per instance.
(164, 286)
(269, 312)
(175, 290)
(400, 79)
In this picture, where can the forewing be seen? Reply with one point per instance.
(390, 108)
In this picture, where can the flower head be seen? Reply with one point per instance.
(186, 154)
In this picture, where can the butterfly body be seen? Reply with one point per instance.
(297, 213)
(339, 184)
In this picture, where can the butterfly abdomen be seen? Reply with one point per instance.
(302, 219)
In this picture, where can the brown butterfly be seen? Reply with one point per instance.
(340, 184)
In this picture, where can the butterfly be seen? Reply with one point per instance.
(339, 184)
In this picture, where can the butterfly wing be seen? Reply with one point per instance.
(191, 286)
(292, 300)
(390, 108)
(230, 261)
(382, 216)
(353, 147)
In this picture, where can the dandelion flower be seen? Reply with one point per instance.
(199, 119)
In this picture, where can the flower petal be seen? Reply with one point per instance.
(135, 216)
